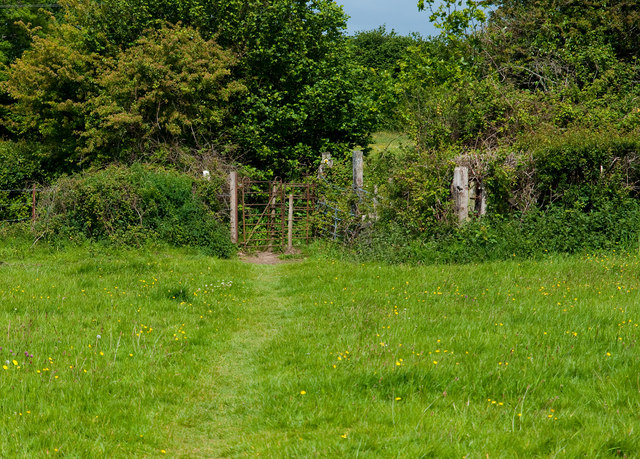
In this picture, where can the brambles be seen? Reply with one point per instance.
(133, 206)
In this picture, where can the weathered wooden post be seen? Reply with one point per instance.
(460, 192)
(481, 205)
(358, 170)
(477, 198)
(272, 219)
(233, 200)
(33, 205)
(358, 177)
(472, 195)
(290, 225)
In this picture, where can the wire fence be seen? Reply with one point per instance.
(319, 210)
(343, 212)
(19, 204)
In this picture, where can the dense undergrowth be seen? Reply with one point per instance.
(133, 206)
(575, 192)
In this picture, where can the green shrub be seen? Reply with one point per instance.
(609, 224)
(19, 170)
(132, 205)
(593, 163)
(413, 187)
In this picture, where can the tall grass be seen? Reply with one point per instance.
(138, 353)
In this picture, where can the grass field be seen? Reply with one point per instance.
(119, 352)
(389, 141)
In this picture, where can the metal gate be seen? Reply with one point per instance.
(273, 215)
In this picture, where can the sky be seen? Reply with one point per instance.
(400, 15)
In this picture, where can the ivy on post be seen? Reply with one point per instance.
(325, 163)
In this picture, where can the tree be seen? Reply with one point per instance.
(171, 88)
(51, 84)
(17, 25)
(293, 59)
(382, 50)
(556, 45)
(514, 64)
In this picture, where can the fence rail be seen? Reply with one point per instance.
(274, 213)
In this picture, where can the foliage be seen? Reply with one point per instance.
(536, 64)
(380, 54)
(381, 50)
(464, 112)
(595, 164)
(19, 170)
(416, 191)
(17, 25)
(304, 95)
(342, 210)
(565, 46)
(170, 87)
(566, 193)
(132, 205)
(574, 168)
(543, 94)
(608, 224)
(51, 85)
(457, 19)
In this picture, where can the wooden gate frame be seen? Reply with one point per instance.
(281, 197)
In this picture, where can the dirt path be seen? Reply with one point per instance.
(270, 258)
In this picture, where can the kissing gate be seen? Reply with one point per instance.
(270, 214)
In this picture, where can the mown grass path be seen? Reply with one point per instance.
(236, 374)
(506, 359)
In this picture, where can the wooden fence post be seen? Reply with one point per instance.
(233, 199)
(272, 218)
(326, 162)
(481, 207)
(33, 205)
(290, 225)
(358, 168)
(358, 177)
(460, 192)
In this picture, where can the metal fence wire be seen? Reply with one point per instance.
(18, 204)
(342, 212)
(319, 209)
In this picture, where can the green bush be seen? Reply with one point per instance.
(413, 187)
(19, 170)
(610, 224)
(132, 205)
(595, 164)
